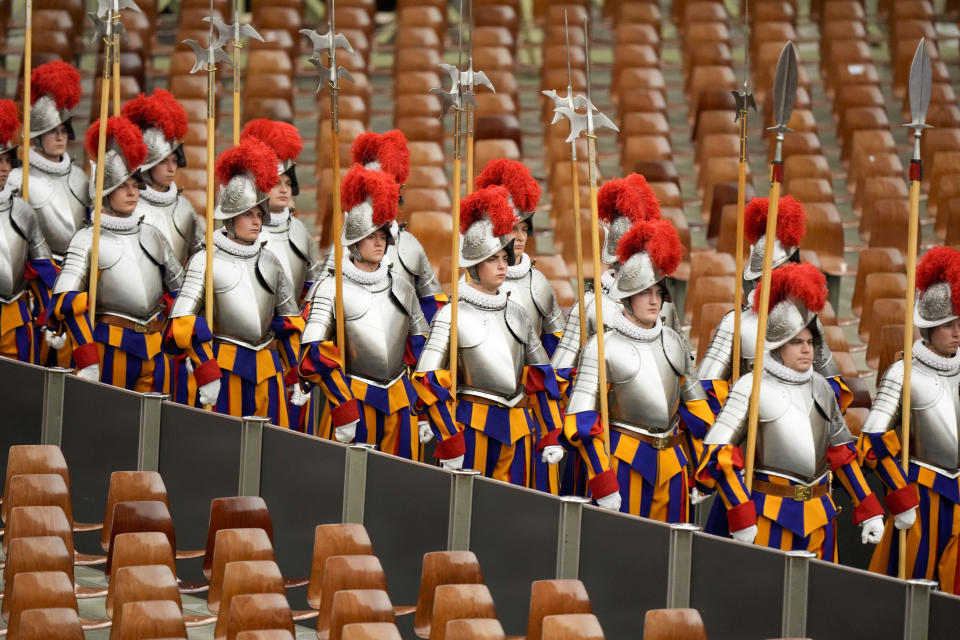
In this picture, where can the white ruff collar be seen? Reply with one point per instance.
(483, 300)
(59, 168)
(277, 219)
(927, 356)
(222, 242)
(360, 276)
(519, 270)
(785, 373)
(116, 223)
(623, 324)
(607, 278)
(162, 198)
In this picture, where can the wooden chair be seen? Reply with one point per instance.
(43, 490)
(42, 590)
(41, 553)
(253, 611)
(348, 572)
(139, 584)
(885, 311)
(442, 567)
(147, 548)
(146, 515)
(235, 512)
(235, 545)
(249, 576)
(131, 486)
(879, 285)
(704, 325)
(27, 522)
(572, 626)
(358, 605)
(34, 458)
(368, 631)
(50, 624)
(670, 624)
(458, 601)
(266, 634)
(152, 619)
(554, 597)
(890, 223)
(475, 629)
(825, 236)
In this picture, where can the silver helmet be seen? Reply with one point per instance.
(937, 271)
(247, 172)
(791, 227)
(648, 252)
(486, 225)
(519, 183)
(163, 121)
(159, 147)
(56, 89)
(621, 203)
(798, 292)
(285, 141)
(371, 198)
(612, 236)
(124, 153)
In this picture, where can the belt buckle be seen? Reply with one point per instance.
(141, 328)
(661, 442)
(802, 493)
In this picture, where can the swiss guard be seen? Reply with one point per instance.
(366, 382)
(653, 398)
(138, 276)
(239, 362)
(502, 366)
(934, 471)
(27, 267)
(802, 440)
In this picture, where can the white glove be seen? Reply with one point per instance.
(55, 341)
(90, 372)
(453, 464)
(696, 497)
(210, 392)
(426, 433)
(297, 397)
(745, 535)
(610, 502)
(906, 519)
(552, 454)
(346, 433)
(872, 530)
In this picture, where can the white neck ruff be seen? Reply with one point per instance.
(162, 198)
(624, 325)
(118, 223)
(222, 242)
(521, 269)
(277, 219)
(929, 357)
(483, 300)
(607, 278)
(360, 276)
(59, 168)
(785, 373)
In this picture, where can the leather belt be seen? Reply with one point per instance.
(666, 441)
(154, 326)
(798, 492)
(523, 403)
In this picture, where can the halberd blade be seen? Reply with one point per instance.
(784, 87)
(921, 78)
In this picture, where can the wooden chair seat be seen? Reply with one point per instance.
(664, 624)
(41, 553)
(42, 590)
(369, 631)
(130, 486)
(357, 606)
(259, 611)
(235, 512)
(459, 601)
(475, 629)
(151, 619)
(877, 285)
(554, 597)
(146, 515)
(886, 311)
(874, 260)
(442, 567)
(27, 522)
(572, 626)
(246, 577)
(50, 624)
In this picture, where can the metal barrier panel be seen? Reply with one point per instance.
(944, 616)
(623, 564)
(199, 461)
(737, 588)
(847, 603)
(406, 515)
(514, 534)
(301, 480)
(21, 396)
(101, 434)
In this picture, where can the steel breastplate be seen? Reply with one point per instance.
(242, 306)
(934, 428)
(644, 388)
(13, 257)
(162, 218)
(130, 284)
(376, 330)
(519, 291)
(399, 269)
(793, 435)
(295, 267)
(491, 358)
(60, 213)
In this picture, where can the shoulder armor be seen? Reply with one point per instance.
(269, 268)
(405, 294)
(823, 395)
(774, 400)
(78, 183)
(111, 247)
(299, 238)
(15, 179)
(517, 322)
(41, 187)
(473, 325)
(152, 241)
(623, 361)
(409, 251)
(23, 218)
(674, 349)
(184, 217)
(541, 291)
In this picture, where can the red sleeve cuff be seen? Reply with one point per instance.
(207, 372)
(867, 509)
(452, 447)
(86, 355)
(742, 516)
(346, 413)
(604, 484)
(902, 499)
(291, 377)
(552, 438)
(840, 455)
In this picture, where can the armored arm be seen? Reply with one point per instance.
(76, 264)
(717, 361)
(190, 300)
(320, 320)
(885, 411)
(568, 349)
(436, 351)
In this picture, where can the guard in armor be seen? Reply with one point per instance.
(934, 471)
(138, 276)
(26, 265)
(653, 397)
(59, 191)
(255, 314)
(802, 439)
(502, 366)
(368, 389)
(717, 365)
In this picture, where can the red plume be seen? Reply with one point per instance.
(250, 156)
(9, 121)
(647, 196)
(58, 80)
(282, 137)
(516, 178)
(361, 184)
(658, 238)
(160, 110)
(941, 264)
(791, 221)
(631, 197)
(491, 202)
(795, 281)
(389, 149)
(125, 134)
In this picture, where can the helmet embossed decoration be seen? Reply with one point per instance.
(246, 174)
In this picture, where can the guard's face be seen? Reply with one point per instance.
(164, 172)
(246, 226)
(54, 142)
(646, 306)
(493, 271)
(123, 200)
(945, 339)
(797, 353)
(5, 167)
(521, 231)
(281, 195)
(373, 247)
